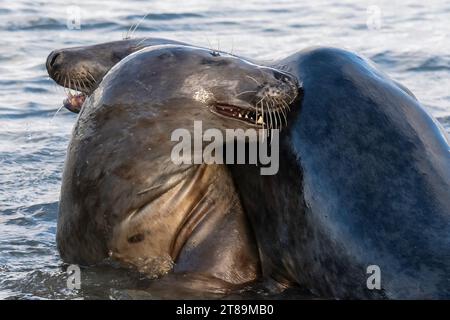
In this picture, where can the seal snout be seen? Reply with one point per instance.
(278, 85)
(264, 99)
(53, 60)
(287, 84)
(68, 69)
(274, 98)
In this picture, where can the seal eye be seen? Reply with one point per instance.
(136, 238)
(215, 53)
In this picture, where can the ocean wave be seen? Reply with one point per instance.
(436, 63)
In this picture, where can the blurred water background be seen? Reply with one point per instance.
(407, 39)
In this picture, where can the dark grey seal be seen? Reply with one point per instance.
(122, 195)
(364, 181)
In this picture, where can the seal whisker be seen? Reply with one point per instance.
(66, 90)
(79, 85)
(127, 35)
(257, 82)
(280, 115)
(248, 91)
(75, 84)
(269, 114)
(265, 119)
(272, 116)
(261, 100)
(89, 82)
(84, 84)
(209, 43)
(286, 104)
(283, 111)
(262, 74)
(277, 113)
(138, 24)
(70, 84)
(256, 116)
(281, 107)
(273, 112)
(92, 77)
(262, 115)
(291, 98)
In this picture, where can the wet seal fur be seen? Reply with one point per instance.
(364, 180)
(123, 197)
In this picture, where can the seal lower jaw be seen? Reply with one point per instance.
(76, 94)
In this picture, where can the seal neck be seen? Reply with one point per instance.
(215, 237)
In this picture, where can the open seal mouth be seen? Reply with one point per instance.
(235, 112)
(268, 110)
(77, 88)
(74, 102)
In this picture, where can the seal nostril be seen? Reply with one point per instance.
(53, 59)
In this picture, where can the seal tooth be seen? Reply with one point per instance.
(260, 120)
